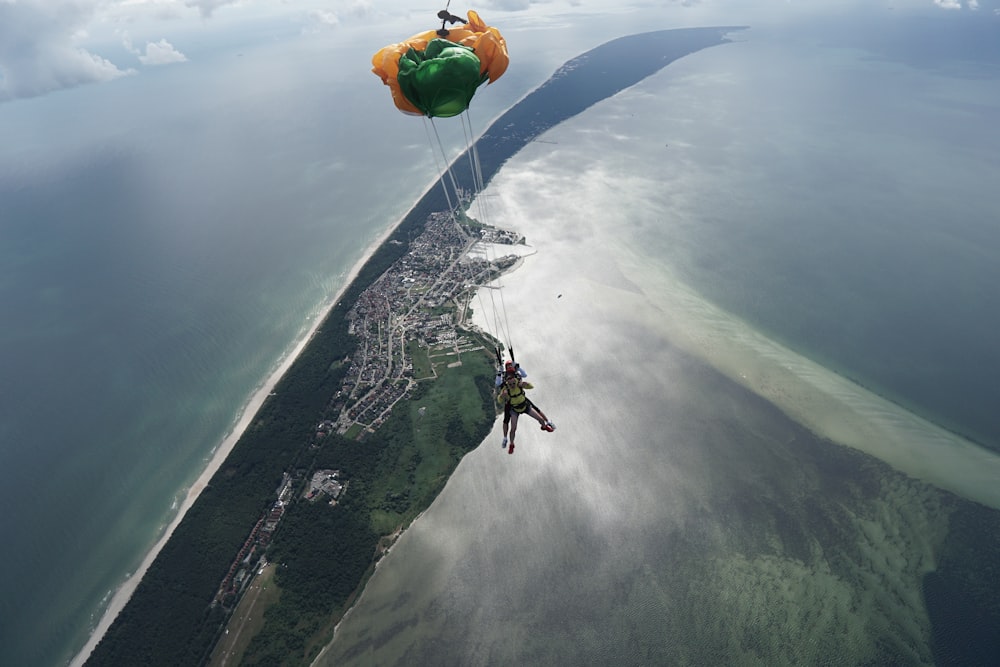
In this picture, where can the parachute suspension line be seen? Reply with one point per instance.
(447, 169)
(444, 168)
(477, 174)
(487, 58)
(484, 207)
(437, 166)
(499, 314)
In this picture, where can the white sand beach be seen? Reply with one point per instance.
(121, 596)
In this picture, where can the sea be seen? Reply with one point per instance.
(760, 315)
(760, 311)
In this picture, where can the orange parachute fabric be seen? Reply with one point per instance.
(486, 41)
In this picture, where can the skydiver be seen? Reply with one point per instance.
(511, 368)
(517, 403)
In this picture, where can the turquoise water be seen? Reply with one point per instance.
(164, 240)
(151, 275)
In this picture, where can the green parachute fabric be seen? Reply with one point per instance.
(440, 80)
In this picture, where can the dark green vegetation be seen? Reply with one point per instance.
(324, 552)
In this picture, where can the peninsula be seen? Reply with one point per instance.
(363, 429)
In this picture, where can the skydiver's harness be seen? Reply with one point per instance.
(518, 401)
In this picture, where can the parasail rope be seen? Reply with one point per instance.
(447, 168)
(473, 152)
(483, 208)
(500, 329)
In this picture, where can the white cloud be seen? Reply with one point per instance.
(46, 45)
(161, 53)
(157, 53)
(510, 5)
(40, 48)
(325, 17)
(206, 7)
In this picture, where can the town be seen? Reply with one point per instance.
(415, 311)
(413, 314)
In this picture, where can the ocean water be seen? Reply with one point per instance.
(754, 315)
(164, 239)
(154, 266)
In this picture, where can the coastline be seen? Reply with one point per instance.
(496, 148)
(124, 592)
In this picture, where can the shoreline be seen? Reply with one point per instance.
(496, 150)
(124, 592)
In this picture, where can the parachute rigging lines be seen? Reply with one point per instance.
(435, 74)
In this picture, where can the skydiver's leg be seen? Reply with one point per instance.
(540, 416)
(532, 412)
(537, 409)
(506, 422)
(513, 426)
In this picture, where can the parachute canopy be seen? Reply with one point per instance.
(432, 76)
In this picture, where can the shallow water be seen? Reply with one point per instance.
(726, 254)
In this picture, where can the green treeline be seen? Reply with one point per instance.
(323, 553)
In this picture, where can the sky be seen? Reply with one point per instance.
(50, 45)
(104, 50)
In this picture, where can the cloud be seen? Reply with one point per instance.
(325, 17)
(332, 18)
(161, 53)
(40, 51)
(206, 7)
(511, 5)
(948, 4)
(157, 53)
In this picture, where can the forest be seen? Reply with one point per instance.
(324, 553)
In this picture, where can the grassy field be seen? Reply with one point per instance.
(247, 619)
(422, 368)
(440, 422)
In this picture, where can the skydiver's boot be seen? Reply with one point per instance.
(548, 426)
(503, 445)
(511, 450)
